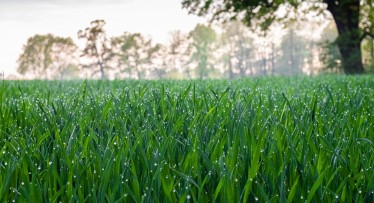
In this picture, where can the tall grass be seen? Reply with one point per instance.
(266, 139)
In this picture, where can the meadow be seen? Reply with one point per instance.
(271, 139)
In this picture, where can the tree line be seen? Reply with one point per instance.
(231, 50)
(354, 20)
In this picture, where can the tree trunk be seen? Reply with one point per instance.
(372, 50)
(272, 58)
(346, 15)
(101, 70)
(292, 54)
(231, 75)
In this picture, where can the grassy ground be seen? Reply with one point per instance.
(266, 139)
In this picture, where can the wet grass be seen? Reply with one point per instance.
(266, 139)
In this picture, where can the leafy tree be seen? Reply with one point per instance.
(368, 39)
(265, 52)
(329, 51)
(179, 56)
(159, 63)
(346, 14)
(203, 39)
(134, 54)
(368, 53)
(237, 48)
(47, 56)
(293, 52)
(97, 49)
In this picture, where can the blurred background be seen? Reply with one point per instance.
(158, 39)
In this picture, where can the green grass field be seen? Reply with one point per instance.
(270, 139)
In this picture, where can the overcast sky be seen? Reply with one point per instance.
(21, 19)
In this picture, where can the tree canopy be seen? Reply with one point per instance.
(352, 18)
(97, 49)
(203, 39)
(47, 56)
(134, 53)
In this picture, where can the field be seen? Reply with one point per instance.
(270, 139)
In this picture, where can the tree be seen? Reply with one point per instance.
(179, 56)
(97, 49)
(237, 48)
(329, 51)
(293, 53)
(203, 38)
(346, 14)
(265, 52)
(134, 54)
(47, 56)
(368, 40)
(159, 63)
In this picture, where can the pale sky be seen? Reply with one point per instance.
(21, 19)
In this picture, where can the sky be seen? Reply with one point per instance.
(21, 19)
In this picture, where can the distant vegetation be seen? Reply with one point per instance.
(224, 50)
(229, 51)
(267, 140)
(252, 139)
(354, 20)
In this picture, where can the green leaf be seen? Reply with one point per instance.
(293, 190)
(316, 185)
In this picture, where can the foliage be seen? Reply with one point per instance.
(346, 14)
(269, 140)
(263, 10)
(368, 54)
(47, 56)
(203, 39)
(97, 49)
(367, 14)
(237, 48)
(329, 51)
(179, 56)
(135, 53)
(294, 51)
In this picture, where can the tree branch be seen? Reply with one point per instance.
(367, 34)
